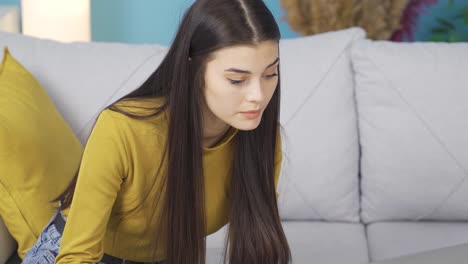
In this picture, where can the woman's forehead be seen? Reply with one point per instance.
(246, 56)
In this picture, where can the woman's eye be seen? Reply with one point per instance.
(272, 75)
(235, 81)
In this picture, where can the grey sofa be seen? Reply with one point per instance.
(375, 139)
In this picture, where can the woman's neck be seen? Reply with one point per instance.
(212, 141)
(214, 129)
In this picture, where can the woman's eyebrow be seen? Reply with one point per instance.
(248, 72)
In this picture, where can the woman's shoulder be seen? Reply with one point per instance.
(139, 114)
(139, 106)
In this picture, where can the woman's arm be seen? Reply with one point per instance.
(103, 167)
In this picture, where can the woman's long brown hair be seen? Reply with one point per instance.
(255, 231)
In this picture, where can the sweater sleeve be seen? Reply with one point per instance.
(102, 170)
(278, 160)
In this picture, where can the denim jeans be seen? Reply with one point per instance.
(47, 245)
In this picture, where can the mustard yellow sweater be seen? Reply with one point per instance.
(109, 212)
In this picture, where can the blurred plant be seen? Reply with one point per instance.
(446, 29)
(380, 18)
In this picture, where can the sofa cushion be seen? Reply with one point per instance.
(394, 239)
(8, 244)
(412, 108)
(310, 242)
(39, 153)
(82, 78)
(319, 176)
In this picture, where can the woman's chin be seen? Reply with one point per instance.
(247, 125)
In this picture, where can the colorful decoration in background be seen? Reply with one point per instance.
(448, 26)
(396, 20)
(409, 20)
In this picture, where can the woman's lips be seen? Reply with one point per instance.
(251, 114)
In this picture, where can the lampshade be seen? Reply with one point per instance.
(9, 19)
(62, 20)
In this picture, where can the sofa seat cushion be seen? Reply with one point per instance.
(394, 239)
(311, 242)
(7, 243)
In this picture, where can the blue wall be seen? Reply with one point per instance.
(9, 2)
(147, 21)
(150, 21)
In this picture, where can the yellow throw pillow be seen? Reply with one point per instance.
(39, 153)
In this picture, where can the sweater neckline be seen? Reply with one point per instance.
(232, 131)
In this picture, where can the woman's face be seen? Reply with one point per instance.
(239, 78)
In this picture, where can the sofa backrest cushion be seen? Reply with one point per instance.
(319, 178)
(412, 101)
(83, 78)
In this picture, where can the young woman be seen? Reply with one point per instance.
(196, 147)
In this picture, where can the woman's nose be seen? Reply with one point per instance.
(255, 92)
